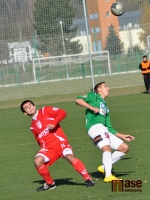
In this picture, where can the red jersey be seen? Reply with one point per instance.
(47, 138)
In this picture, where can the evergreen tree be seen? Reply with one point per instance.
(113, 42)
(47, 17)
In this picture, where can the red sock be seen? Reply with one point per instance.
(44, 172)
(80, 168)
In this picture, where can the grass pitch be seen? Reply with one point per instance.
(19, 179)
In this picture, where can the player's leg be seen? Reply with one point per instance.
(121, 150)
(146, 82)
(99, 134)
(106, 158)
(149, 83)
(120, 147)
(77, 164)
(43, 159)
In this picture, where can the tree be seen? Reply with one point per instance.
(4, 51)
(145, 23)
(47, 17)
(113, 42)
(135, 49)
(15, 23)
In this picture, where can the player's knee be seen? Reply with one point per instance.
(39, 160)
(70, 158)
(106, 148)
(124, 148)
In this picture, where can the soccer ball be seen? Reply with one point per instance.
(117, 9)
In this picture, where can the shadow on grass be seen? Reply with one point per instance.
(65, 181)
(126, 158)
(146, 92)
(99, 175)
(117, 174)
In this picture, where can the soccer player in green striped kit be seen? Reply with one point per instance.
(100, 130)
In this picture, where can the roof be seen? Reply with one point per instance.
(81, 25)
(130, 19)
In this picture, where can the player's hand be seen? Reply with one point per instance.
(96, 110)
(128, 138)
(50, 126)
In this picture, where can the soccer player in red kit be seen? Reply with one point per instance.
(53, 142)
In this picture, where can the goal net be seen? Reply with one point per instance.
(71, 67)
(66, 46)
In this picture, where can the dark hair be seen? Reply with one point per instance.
(144, 56)
(24, 102)
(97, 85)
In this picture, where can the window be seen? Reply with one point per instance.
(107, 14)
(97, 46)
(95, 30)
(94, 47)
(92, 30)
(91, 16)
(94, 16)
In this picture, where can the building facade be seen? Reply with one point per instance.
(100, 18)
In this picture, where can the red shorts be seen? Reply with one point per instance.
(53, 154)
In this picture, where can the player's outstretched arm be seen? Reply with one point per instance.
(128, 138)
(82, 103)
(56, 114)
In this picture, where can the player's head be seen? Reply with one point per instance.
(102, 88)
(144, 58)
(28, 107)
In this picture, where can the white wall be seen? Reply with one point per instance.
(131, 38)
(83, 42)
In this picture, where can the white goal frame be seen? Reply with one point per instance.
(148, 45)
(65, 59)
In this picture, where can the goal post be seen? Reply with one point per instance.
(148, 45)
(70, 67)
